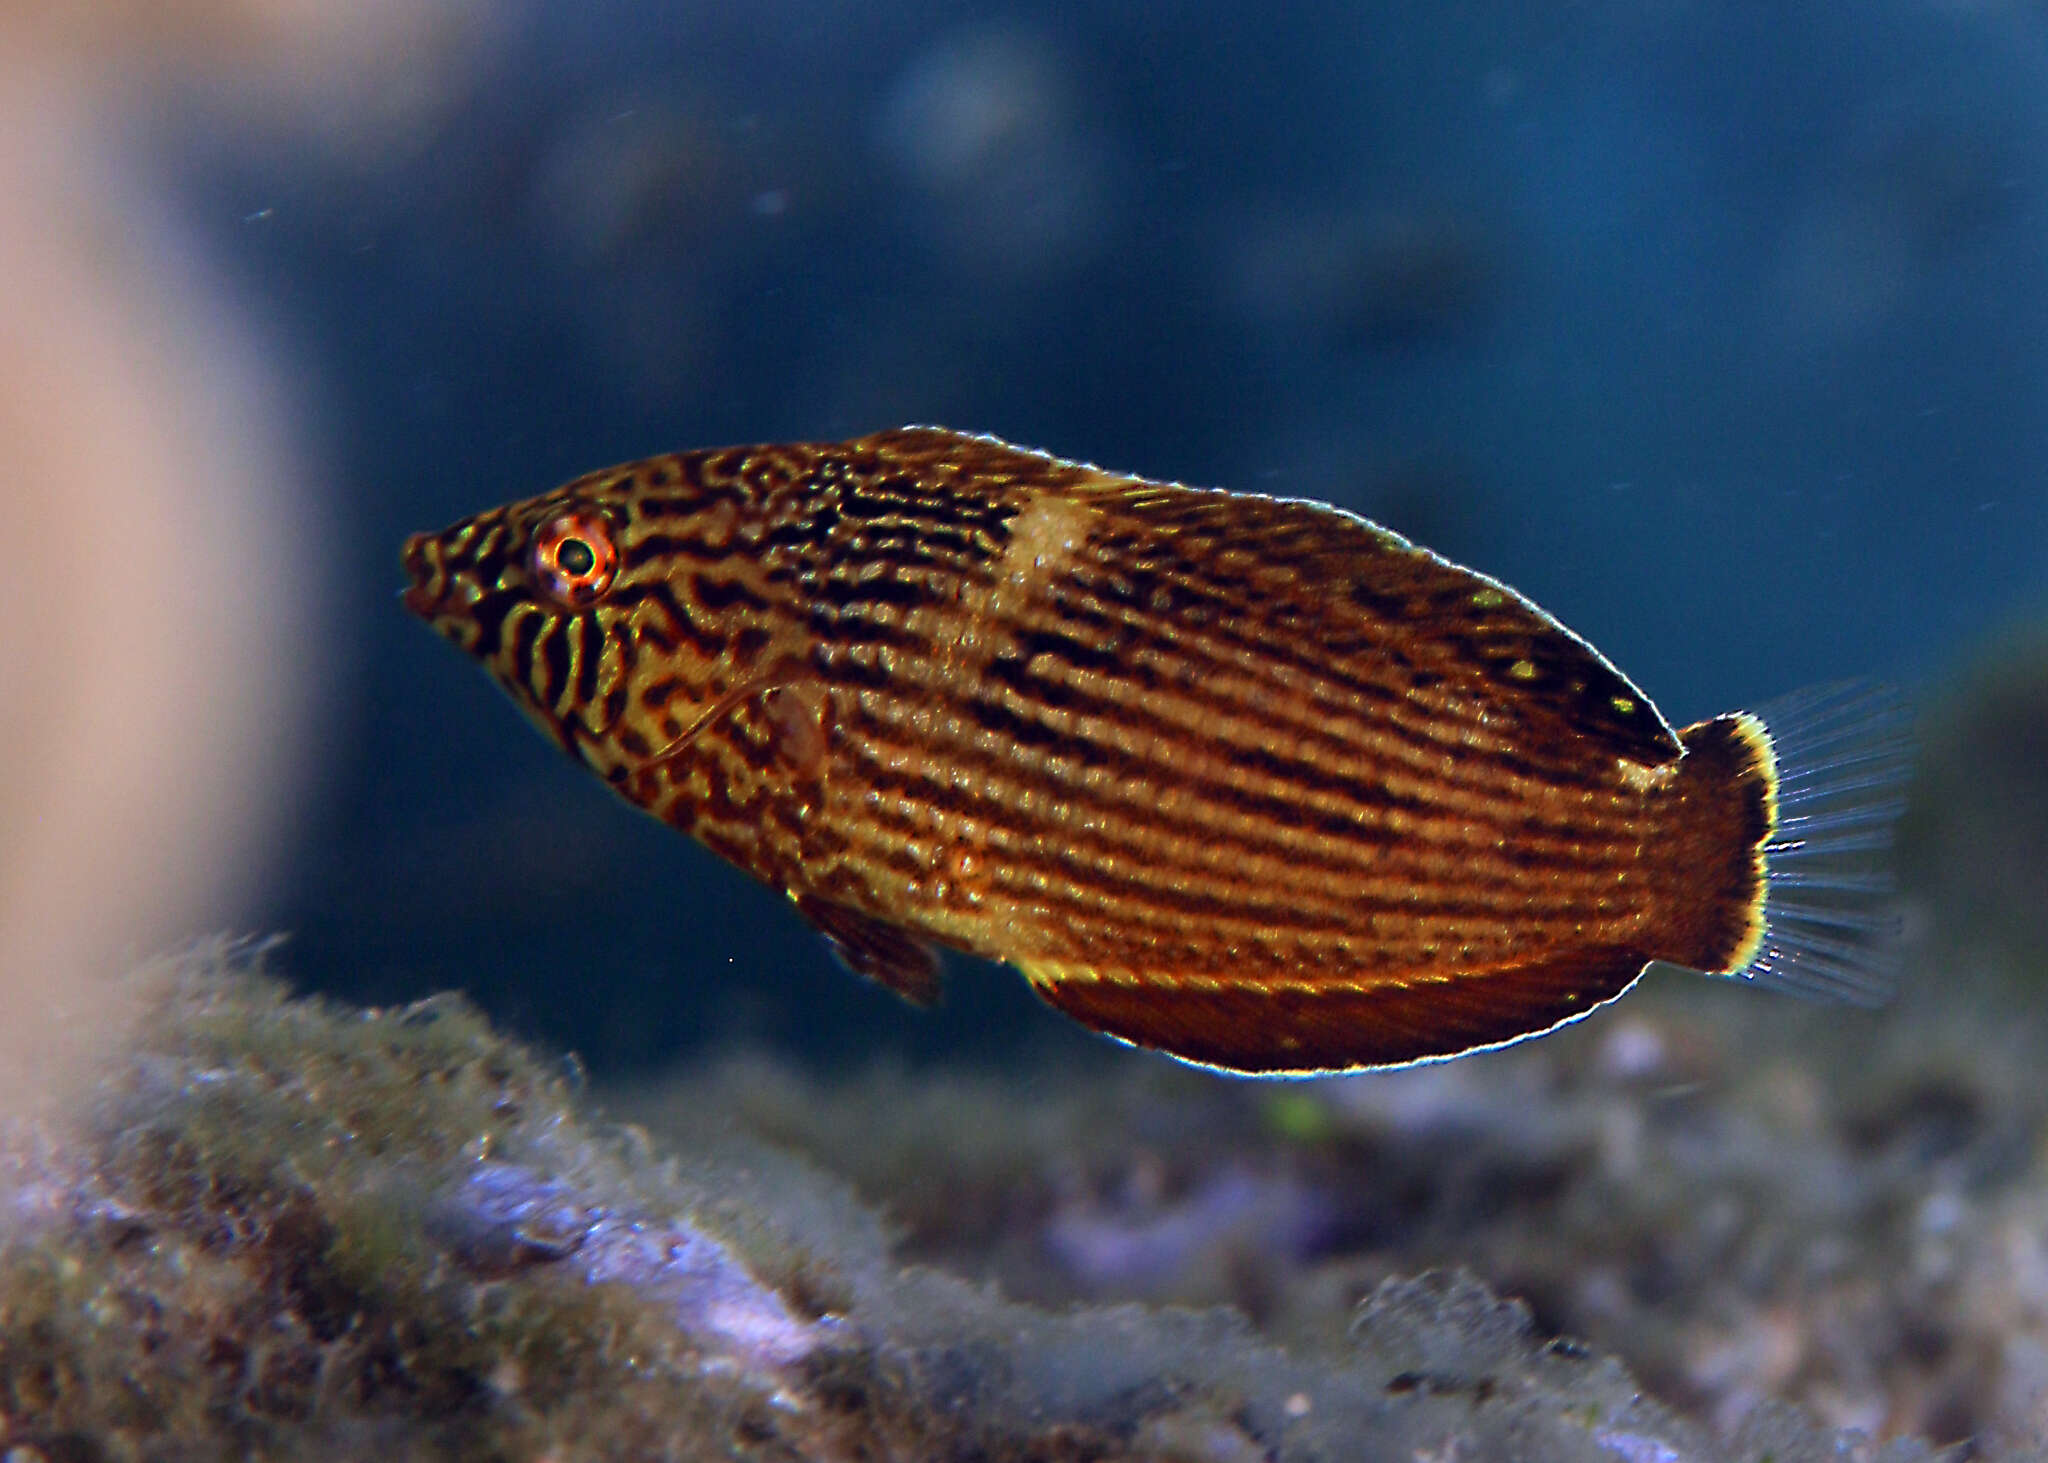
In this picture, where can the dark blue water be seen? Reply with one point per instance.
(1719, 330)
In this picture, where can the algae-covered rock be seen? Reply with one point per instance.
(1749, 1201)
(286, 1225)
(287, 1229)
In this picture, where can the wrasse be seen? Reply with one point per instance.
(1254, 782)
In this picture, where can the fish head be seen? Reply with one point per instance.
(564, 599)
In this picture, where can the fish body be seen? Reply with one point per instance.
(1252, 781)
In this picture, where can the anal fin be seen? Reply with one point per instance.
(875, 949)
(1301, 1028)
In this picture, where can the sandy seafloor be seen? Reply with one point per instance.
(1704, 1224)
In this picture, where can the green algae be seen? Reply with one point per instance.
(289, 1229)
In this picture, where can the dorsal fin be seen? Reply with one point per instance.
(936, 452)
(1298, 569)
(1303, 571)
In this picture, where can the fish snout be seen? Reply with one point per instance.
(428, 571)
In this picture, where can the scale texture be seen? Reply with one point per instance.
(1252, 781)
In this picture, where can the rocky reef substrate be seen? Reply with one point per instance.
(284, 1228)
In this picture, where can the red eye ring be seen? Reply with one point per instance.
(575, 558)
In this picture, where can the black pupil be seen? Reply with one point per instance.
(575, 558)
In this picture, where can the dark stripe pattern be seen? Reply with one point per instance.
(1210, 752)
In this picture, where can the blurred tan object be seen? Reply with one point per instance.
(158, 615)
(355, 68)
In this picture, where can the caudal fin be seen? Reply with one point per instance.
(1838, 763)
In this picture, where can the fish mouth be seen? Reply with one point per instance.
(429, 580)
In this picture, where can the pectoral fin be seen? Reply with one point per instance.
(874, 948)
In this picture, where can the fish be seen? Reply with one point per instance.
(1251, 781)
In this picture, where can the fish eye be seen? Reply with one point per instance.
(575, 558)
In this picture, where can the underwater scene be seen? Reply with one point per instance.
(1209, 733)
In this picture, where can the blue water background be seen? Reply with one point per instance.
(1719, 330)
